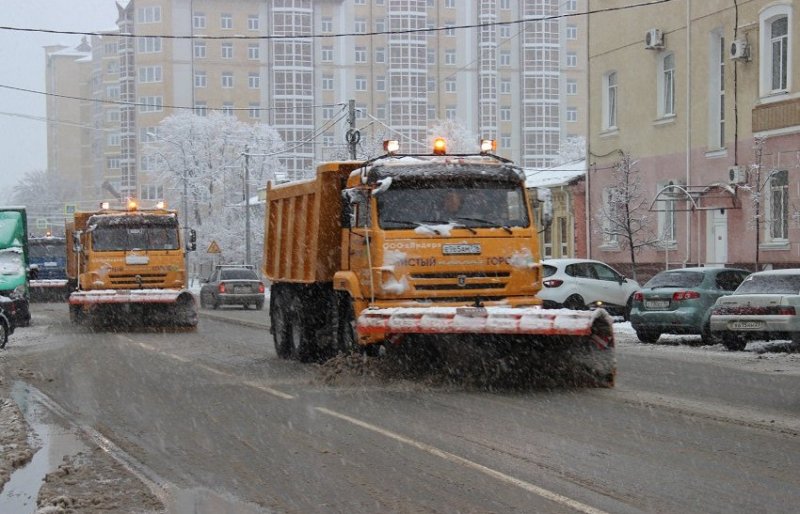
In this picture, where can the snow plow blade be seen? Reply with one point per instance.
(134, 307)
(584, 338)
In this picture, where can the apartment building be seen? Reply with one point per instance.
(295, 64)
(704, 97)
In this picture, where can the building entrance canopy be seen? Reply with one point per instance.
(695, 198)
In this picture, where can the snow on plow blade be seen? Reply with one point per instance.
(105, 296)
(482, 320)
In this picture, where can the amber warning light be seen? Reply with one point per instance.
(391, 146)
(132, 205)
(439, 146)
(488, 146)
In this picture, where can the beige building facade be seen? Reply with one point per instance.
(295, 64)
(704, 96)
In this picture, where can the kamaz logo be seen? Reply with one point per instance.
(461, 280)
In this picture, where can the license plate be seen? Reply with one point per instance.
(461, 249)
(657, 304)
(746, 325)
(241, 290)
(472, 312)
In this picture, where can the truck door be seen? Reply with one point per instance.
(361, 223)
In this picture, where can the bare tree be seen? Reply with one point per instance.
(44, 194)
(624, 217)
(459, 138)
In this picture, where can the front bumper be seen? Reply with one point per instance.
(240, 299)
(122, 296)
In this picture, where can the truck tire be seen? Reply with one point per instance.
(76, 314)
(347, 340)
(3, 334)
(291, 335)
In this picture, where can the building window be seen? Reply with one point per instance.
(149, 45)
(380, 112)
(505, 86)
(112, 163)
(254, 111)
(227, 80)
(200, 109)
(505, 4)
(152, 192)
(779, 205)
(112, 115)
(450, 57)
(450, 4)
(327, 82)
(571, 5)
(252, 22)
(112, 92)
(563, 235)
(326, 25)
(150, 74)
(361, 54)
(360, 26)
(610, 100)
(253, 51)
(380, 83)
(199, 49)
(225, 21)
(450, 112)
(776, 49)
(149, 14)
(199, 20)
(430, 85)
(547, 242)
(716, 91)
(227, 50)
(361, 83)
(505, 141)
(113, 139)
(253, 80)
(449, 31)
(430, 111)
(505, 58)
(227, 109)
(572, 87)
(611, 208)
(667, 214)
(430, 55)
(327, 112)
(380, 54)
(200, 79)
(572, 60)
(326, 54)
(504, 31)
(666, 85)
(151, 103)
(505, 114)
(572, 32)
(380, 25)
(572, 114)
(450, 85)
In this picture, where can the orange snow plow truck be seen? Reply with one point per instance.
(431, 251)
(126, 267)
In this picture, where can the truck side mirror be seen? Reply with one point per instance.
(347, 211)
(76, 241)
(191, 243)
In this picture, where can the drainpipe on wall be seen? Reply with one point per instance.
(588, 189)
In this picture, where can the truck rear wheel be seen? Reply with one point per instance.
(291, 334)
(3, 334)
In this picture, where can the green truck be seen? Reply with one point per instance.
(14, 265)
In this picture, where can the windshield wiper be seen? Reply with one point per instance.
(487, 222)
(409, 223)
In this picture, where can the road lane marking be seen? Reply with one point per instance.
(539, 491)
(249, 383)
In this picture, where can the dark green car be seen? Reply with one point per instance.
(678, 301)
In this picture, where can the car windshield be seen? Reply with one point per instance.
(770, 284)
(473, 205)
(118, 238)
(675, 279)
(238, 274)
(44, 250)
(11, 263)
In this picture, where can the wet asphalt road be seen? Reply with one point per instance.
(215, 408)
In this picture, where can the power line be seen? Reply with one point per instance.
(144, 104)
(338, 35)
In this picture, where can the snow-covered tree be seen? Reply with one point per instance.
(571, 149)
(459, 138)
(624, 217)
(44, 194)
(206, 157)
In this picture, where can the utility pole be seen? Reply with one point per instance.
(246, 204)
(353, 136)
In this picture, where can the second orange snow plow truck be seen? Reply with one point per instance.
(436, 251)
(126, 267)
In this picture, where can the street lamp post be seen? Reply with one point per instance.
(246, 205)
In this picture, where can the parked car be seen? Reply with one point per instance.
(679, 301)
(581, 284)
(7, 324)
(232, 285)
(765, 306)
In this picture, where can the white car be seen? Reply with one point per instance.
(581, 284)
(765, 306)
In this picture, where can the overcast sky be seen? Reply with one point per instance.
(23, 141)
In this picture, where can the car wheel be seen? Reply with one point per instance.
(708, 337)
(215, 303)
(203, 301)
(733, 342)
(259, 305)
(3, 335)
(648, 336)
(575, 303)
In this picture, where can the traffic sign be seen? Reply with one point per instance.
(69, 208)
(213, 248)
(41, 223)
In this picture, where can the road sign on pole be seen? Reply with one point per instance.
(213, 248)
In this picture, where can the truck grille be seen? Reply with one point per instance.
(467, 281)
(130, 280)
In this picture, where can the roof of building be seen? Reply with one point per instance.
(562, 175)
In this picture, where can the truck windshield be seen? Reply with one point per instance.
(11, 263)
(469, 205)
(44, 250)
(119, 238)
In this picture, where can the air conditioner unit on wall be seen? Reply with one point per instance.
(654, 39)
(737, 175)
(740, 50)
